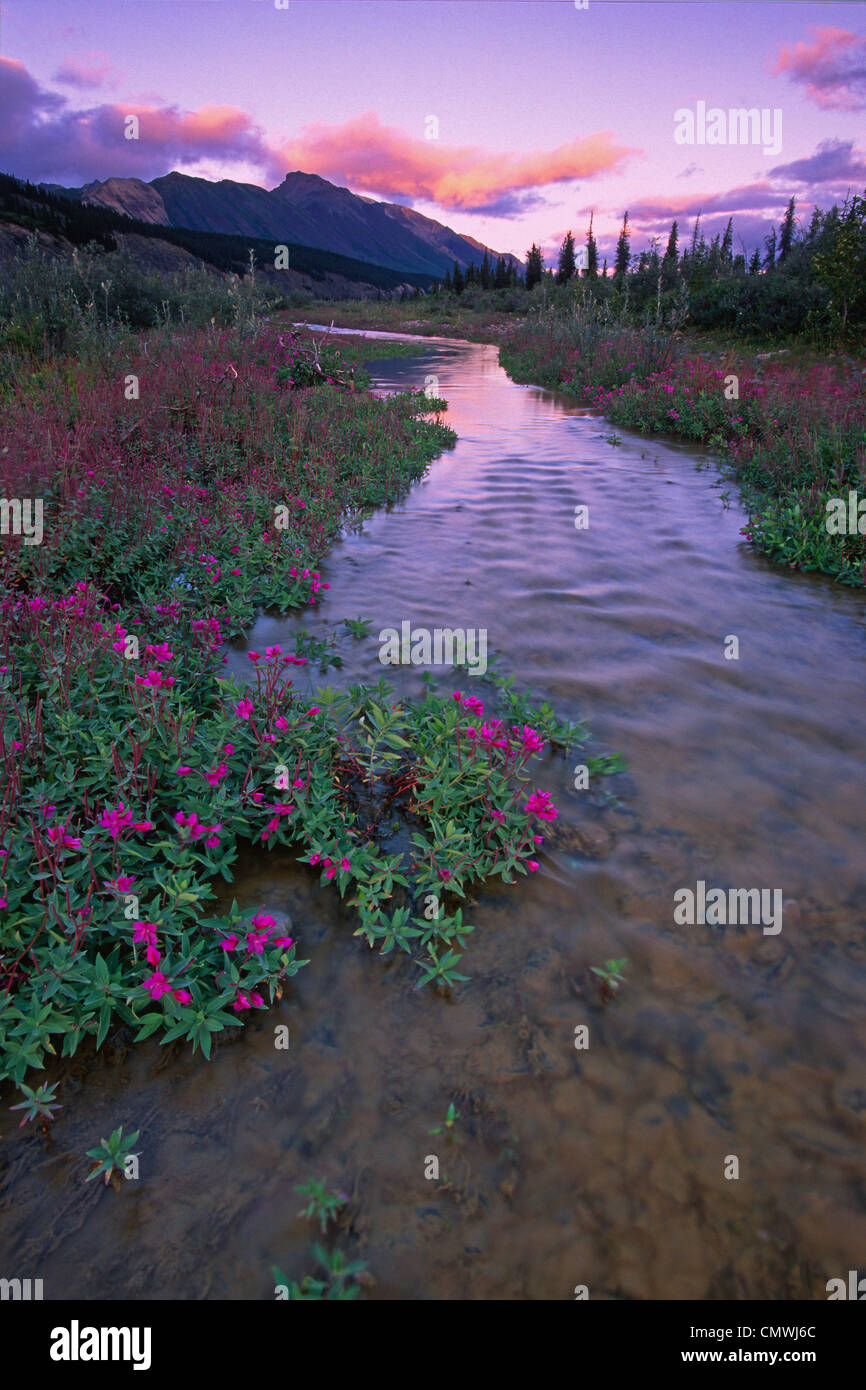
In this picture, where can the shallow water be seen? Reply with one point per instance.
(603, 1166)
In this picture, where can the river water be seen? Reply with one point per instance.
(603, 1166)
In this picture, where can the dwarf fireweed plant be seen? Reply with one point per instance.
(340, 1282)
(38, 1104)
(452, 1115)
(125, 800)
(611, 976)
(323, 1205)
(112, 1155)
(341, 1273)
(133, 770)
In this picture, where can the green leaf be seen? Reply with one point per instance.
(104, 1021)
(150, 1023)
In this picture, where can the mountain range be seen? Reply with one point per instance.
(303, 209)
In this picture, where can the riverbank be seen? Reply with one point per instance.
(161, 506)
(787, 423)
(790, 428)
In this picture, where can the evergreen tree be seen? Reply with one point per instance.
(755, 263)
(728, 243)
(786, 232)
(534, 266)
(567, 266)
(446, 283)
(815, 225)
(714, 259)
(669, 260)
(485, 272)
(694, 250)
(840, 263)
(591, 253)
(457, 279)
(770, 247)
(500, 280)
(623, 254)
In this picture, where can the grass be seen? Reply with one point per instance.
(441, 316)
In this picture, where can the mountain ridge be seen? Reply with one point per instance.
(303, 208)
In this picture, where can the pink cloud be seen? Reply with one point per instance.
(385, 160)
(749, 197)
(94, 69)
(42, 137)
(832, 67)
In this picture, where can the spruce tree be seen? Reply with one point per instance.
(591, 253)
(623, 254)
(534, 266)
(715, 257)
(669, 260)
(567, 266)
(727, 251)
(786, 232)
(694, 250)
(457, 279)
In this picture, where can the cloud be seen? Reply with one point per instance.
(832, 67)
(834, 161)
(385, 160)
(94, 69)
(750, 197)
(41, 137)
(689, 170)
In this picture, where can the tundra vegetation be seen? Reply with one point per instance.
(758, 357)
(191, 477)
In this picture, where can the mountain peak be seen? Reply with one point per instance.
(305, 209)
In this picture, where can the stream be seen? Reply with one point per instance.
(603, 1166)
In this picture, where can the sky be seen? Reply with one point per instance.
(508, 120)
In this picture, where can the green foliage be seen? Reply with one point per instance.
(323, 1205)
(341, 1275)
(611, 976)
(359, 627)
(112, 1155)
(451, 1117)
(38, 1103)
(339, 1284)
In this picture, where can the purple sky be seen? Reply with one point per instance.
(539, 111)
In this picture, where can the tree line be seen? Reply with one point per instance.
(808, 277)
